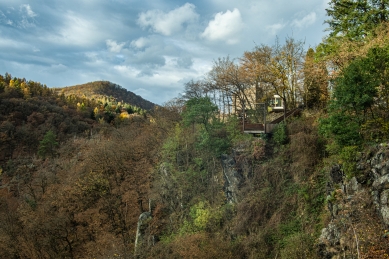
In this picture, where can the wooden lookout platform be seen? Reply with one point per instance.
(260, 128)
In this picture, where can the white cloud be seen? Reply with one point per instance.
(113, 46)
(87, 36)
(76, 31)
(27, 9)
(305, 21)
(57, 68)
(225, 26)
(140, 43)
(9, 43)
(274, 28)
(168, 23)
(127, 71)
(20, 18)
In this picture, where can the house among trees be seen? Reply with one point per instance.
(276, 103)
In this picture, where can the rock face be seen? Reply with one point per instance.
(232, 178)
(140, 230)
(380, 186)
(350, 200)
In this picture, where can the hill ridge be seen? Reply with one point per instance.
(106, 89)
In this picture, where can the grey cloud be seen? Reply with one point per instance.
(170, 22)
(23, 17)
(58, 68)
(70, 42)
(305, 21)
(26, 8)
(114, 46)
(185, 62)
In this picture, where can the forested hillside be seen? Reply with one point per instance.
(102, 89)
(89, 176)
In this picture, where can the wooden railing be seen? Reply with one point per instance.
(269, 127)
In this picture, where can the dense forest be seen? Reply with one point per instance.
(86, 173)
(101, 89)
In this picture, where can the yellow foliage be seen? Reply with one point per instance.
(124, 115)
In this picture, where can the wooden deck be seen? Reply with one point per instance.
(254, 128)
(260, 128)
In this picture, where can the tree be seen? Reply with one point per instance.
(194, 90)
(353, 97)
(349, 18)
(355, 19)
(378, 60)
(282, 70)
(354, 26)
(199, 110)
(315, 82)
(234, 87)
(47, 145)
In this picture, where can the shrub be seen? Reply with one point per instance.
(348, 156)
(280, 134)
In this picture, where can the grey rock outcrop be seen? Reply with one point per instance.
(232, 178)
(140, 230)
(348, 197)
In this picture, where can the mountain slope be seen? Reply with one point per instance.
(105, 89)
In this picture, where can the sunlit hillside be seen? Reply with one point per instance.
(100, 90)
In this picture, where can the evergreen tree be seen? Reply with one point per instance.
(47, 145)
(199, 110)
(355, 19)
(353, 97)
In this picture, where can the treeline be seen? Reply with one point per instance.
(81, 197)
(29, 109)
(83, 202)
(285, 69)
(74, 172)
(283, 189)
(99, 90)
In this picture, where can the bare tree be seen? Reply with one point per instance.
(280, 70)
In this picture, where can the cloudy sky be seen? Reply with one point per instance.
(150, 47)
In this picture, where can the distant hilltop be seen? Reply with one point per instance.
(100, 89)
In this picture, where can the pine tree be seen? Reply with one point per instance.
(355, 19)
(47, 145)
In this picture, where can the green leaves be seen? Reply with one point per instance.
(353, 95)
(355, 19)
(47, 145)
(280, 135)
(199, 110)
(215, 139)
(361, 94)
(341, 127)
(356, 88)
(213, 136)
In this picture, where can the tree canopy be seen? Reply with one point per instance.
(355, 19)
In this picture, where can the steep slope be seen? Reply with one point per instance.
(105, 89)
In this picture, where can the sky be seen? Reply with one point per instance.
(149, 47)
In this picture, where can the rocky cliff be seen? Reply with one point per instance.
(359, 209)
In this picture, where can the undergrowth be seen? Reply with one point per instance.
(281, 210)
